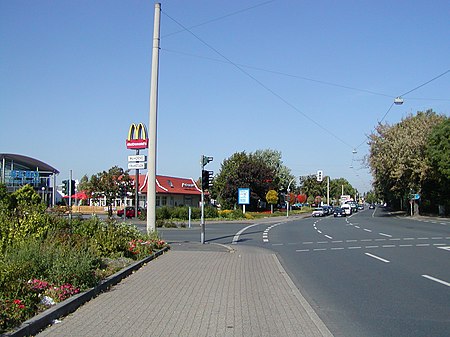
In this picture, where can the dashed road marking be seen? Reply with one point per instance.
(378, 258)
(437, 280)
(389, 236)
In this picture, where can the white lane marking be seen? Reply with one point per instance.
(377, 257)
(436, 280)
(422, 245)
(408, 238)
(389, 236)
(371, 247)
(236, 236)
(337, 248)
(405, 245)
(368, 230)
(354, 248)
(320, 232)
(445, 248)
(319, 249)
(388, 246)
(278, 244)
(436, 238)
(302, 250)
(351, 240)
(339, 241)
(357, 227)
(329, 237)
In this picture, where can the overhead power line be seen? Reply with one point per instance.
(261, 84)
(219, 18)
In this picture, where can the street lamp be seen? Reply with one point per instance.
(398, 100)
(288, 191)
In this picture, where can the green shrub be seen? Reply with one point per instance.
(211, 212)
(163, 213)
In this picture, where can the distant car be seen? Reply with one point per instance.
(318, 212)
(129, 212)
(327, 209)
(347, 209)
(360, 207)
(371, 206)
(338, 211)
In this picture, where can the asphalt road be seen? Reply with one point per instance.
(372, 274)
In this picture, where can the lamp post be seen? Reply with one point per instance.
(288, 191)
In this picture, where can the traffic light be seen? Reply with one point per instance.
(319, 175)
(65, 187)
(205, 180)
(72, 187)
(205, 160)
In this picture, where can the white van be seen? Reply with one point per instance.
(347, 208)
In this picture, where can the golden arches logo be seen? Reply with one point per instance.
(137, 137)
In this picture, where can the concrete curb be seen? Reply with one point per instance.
(45, 318)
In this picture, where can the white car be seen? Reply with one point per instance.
(318, 212)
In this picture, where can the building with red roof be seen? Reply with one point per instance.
(171, 191)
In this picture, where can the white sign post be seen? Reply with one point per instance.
(243, 197)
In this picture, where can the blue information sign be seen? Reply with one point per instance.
(243, 196)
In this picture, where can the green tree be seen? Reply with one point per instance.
(282, 174)
(438, 153)
(398, 158)
(242, 171)
(339, 184)
(109, 185)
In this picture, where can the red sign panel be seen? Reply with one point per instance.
(137, 137)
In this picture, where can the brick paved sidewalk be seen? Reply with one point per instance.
(218, 292)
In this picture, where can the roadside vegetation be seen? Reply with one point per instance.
(412, 158)
(45, 259)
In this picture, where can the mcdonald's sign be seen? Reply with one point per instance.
(137, 137)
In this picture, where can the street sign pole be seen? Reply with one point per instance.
(202, 218)
(136, 185)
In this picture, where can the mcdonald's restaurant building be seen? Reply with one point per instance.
(17, 170)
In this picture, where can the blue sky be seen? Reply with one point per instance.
(307, 78)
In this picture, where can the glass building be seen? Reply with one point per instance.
(17, 170)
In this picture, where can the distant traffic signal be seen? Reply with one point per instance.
(205, 180)
(319, 175)
(65, 187)
(72, 187)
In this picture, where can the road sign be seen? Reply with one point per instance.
(139, 157)
(243, 196)
(137, 166)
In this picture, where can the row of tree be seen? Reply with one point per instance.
(412, 158)
(263, 171)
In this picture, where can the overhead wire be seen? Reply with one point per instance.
(406, 93)
(259, 82)
(220, 18)
(284, 74)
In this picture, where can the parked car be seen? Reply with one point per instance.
(338, 211)
(129, 212)
(371, 206)
(360, 207)
(318, 212)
